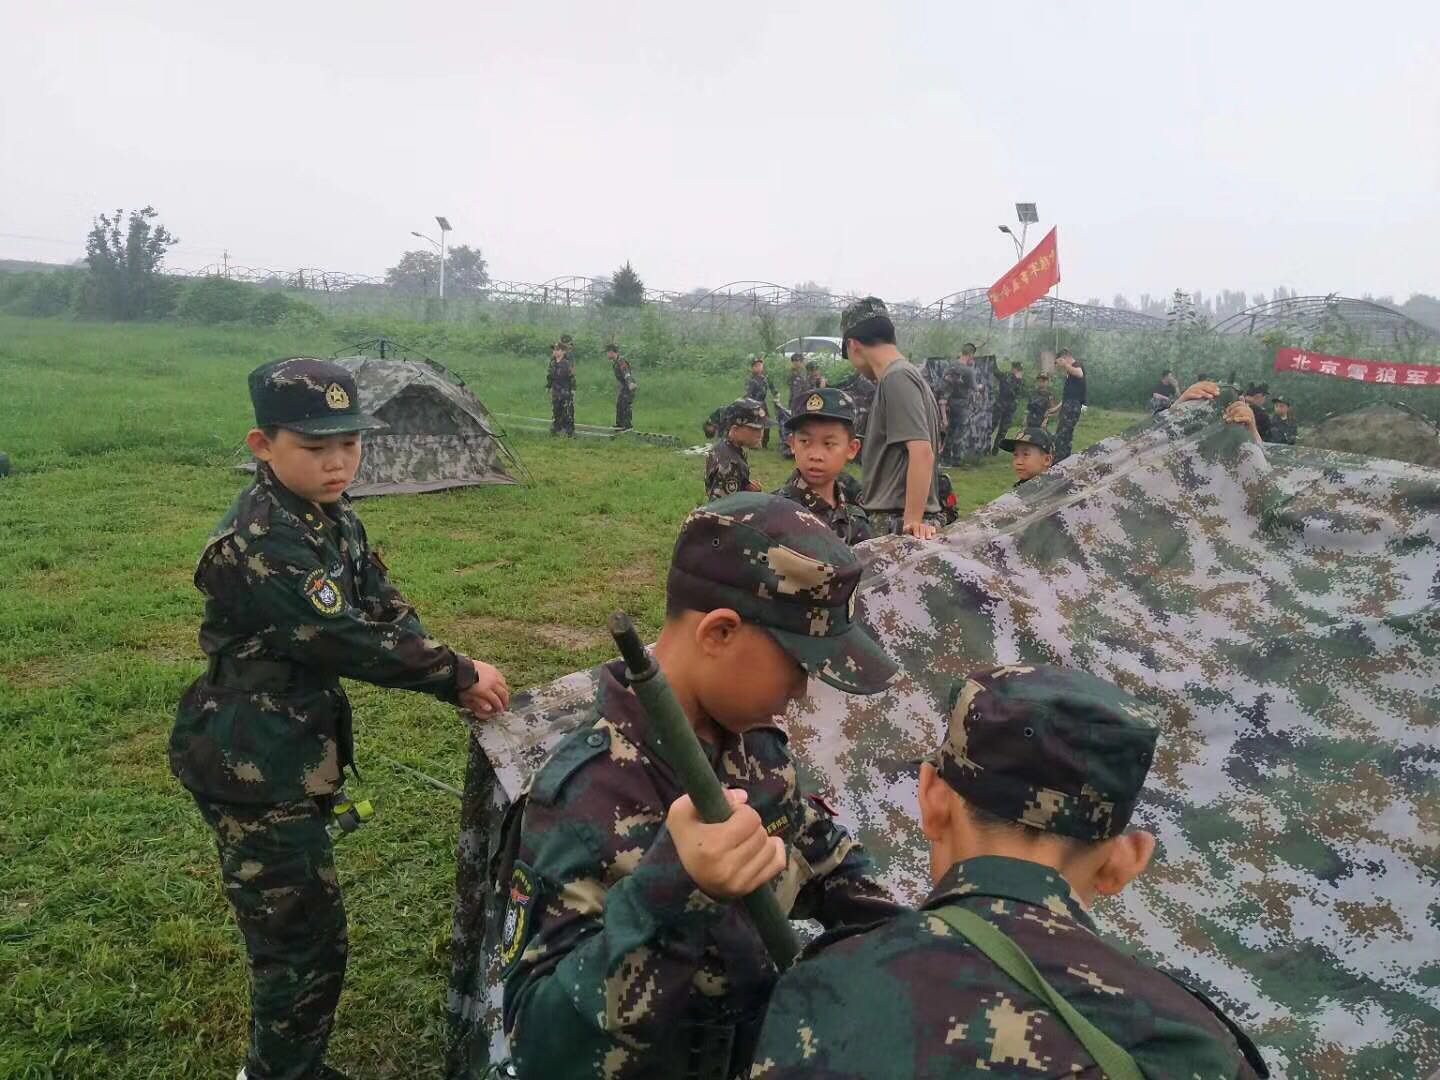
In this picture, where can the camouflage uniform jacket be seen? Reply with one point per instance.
(1283, 430)
(623, 376)
(911, 998)
(1038, 406)
(561, 377)
(847, 518)
(727, 470)
(295, 598)
(757, 388)
(800, 386)
(618, 966)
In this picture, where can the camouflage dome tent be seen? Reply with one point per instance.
(1391, 430)
(1280, 606)
(438, 434)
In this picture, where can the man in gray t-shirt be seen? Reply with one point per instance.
(902, 433)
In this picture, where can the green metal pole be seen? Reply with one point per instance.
(676, 741)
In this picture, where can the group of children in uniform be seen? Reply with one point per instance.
(560, 382)
(625, 953)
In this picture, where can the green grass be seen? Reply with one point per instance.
(118, 956)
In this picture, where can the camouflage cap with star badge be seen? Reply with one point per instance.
(780, 567)
(825, 403)
(1049, 747)
(747, 412)
(309, 396)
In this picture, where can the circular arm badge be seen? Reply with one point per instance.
(517, 917)
(323, 593)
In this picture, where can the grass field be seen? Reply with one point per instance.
(118, 956)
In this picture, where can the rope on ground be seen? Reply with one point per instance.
(449, 789)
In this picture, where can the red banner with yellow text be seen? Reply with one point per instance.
(1028, 280)
(1344, 367)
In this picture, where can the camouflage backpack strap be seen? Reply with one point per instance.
(1112, 1058)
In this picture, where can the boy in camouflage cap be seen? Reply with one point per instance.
(727, 469)
(625, 955)
(821, 436)
(1026, 806)
(295, 598)
(1033, 450)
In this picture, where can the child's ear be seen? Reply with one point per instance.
(854, 449)
(259, 444)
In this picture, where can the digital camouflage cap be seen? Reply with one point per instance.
(780, 567)
(825, 403)
(313, 397)
(747, 412)
(869, 307)
(1049, 747)
(1033, 436)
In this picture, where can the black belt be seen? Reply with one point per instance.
(266, 676)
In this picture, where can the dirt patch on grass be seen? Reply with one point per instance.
(470, 628)
(42, 673)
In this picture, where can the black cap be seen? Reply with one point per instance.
(1278, 401)
(1032, 436)
(313, 397)
(826, 403)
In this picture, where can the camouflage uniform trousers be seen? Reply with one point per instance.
(953, 452)
(886, 522)
(1068, 417)
(624, 410)
(278, 867)
(562, 409)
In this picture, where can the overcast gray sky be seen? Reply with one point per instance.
(871, 147)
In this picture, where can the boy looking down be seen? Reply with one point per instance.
(624, 954)
(727, 469)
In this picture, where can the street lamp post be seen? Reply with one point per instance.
(444, 224)
(1027, 215)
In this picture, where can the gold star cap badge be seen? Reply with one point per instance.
(336, 397)
(814, 403)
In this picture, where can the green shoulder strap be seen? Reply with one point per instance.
(1011, 959)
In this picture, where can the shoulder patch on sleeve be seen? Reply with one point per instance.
(580, 747)
(323, 593)
(518, 906)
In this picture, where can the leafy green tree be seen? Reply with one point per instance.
(466, 273)
(626, 288)
(125, 278)
(416, 274)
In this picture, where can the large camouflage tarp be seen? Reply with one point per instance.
(1281, 608)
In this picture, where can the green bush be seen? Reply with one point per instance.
(216, 300)
(40, 293)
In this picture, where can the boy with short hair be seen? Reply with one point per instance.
(821, 433)
(1282, 424)
(758, 388)
(727, 469)
(625, 957)
(1025, 806)
(1034, 453)
(295, 598)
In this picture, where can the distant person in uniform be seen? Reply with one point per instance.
(1026, 808)
(1007, 396)
(758, 388)
(1034, 452)
(821, 432)
(959, 387)
(560, 380)
(902, 435)
(1256, 395)
(727, 469)
(1037, 409)
(797, 389)
(1165, 392)
(624, 388)
(711, 424)
(1282, 424)
(817, 377)
(1072, 403)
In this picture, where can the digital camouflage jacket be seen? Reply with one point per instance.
(911, 998)
(727, 470)
(616, 965)
(847, 518)
(294, 599)
(560, 378)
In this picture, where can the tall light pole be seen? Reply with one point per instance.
(444, 224)
(1027, 215)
